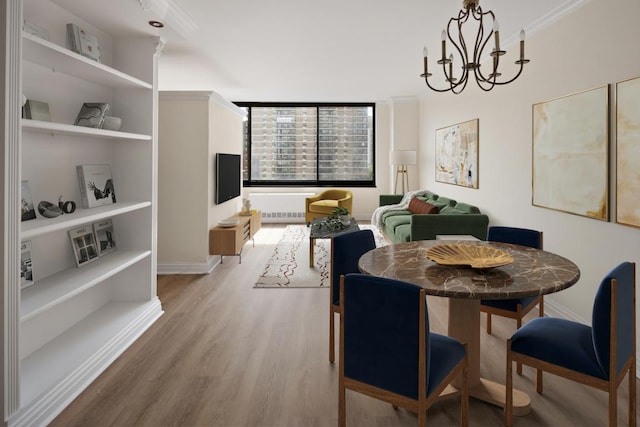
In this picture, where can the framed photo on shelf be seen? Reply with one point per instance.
(571, 153)
(36, 30)
(37, 110)
(83, 42)
(105, 237)
(26, 265)
(96, 185)
(83, 243)
(27, 209)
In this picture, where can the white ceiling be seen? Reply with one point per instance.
(299, 50)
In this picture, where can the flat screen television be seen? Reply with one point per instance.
(228, 177)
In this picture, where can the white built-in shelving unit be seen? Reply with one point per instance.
(66, 328)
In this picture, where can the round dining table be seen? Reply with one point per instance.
(532, 272)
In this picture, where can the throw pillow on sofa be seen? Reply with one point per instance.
(417, 206)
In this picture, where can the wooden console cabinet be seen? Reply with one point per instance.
(231, 240)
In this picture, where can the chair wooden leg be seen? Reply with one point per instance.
(332, 337)
(508, 406)
(518, 326)
(489, 323)
(541, 307)
(422, 419)
(539, 381)
(342, 415)
(613, 403)
(633, 408)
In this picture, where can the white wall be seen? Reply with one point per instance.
(182, 179)
(595, 45)
(225, 128)
(405, 127)
(193, 127)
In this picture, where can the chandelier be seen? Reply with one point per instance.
(471, 64)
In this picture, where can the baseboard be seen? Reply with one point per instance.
(189, 267)
(282, 220)
(553, 309)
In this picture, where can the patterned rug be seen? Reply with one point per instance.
(288, 266)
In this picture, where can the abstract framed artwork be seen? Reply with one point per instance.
(628, 152)
(457, 154)
(571, 153)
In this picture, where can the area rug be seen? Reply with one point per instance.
(288, 266)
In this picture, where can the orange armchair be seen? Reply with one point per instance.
(321, 205)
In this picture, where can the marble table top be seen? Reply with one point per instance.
(533, 272)
(317, 231)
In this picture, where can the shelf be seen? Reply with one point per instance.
(65, 129)
(60, 59)
(91, 343)
(61, 286)
(40, 226)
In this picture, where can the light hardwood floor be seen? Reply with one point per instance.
(226, 354)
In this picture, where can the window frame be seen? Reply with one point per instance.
(308, 183)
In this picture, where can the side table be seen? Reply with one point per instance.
(316, 231)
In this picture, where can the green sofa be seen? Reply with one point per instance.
(452, 218)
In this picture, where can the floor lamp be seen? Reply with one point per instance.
(402, 158)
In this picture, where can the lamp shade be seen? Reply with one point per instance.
(402, 157)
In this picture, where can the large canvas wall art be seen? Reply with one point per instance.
(571, 153)
(457, 154)
(628, 152)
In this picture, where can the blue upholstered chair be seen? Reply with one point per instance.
(599, 355)
(387, 351)
(346, 250)
(513, 308)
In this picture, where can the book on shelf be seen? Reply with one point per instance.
(96, 185)
(83, 42)
(92, 114)
(83, 242)
(105, 236)
(27, 208)
(26, 265)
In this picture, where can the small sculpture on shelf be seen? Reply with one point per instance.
(48, 209)
(92, 114)
(112, 123)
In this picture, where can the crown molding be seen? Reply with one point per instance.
(201, 95)
(565, 8)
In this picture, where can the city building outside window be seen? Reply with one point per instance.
(309, 144)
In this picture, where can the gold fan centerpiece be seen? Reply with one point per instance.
(471, 255)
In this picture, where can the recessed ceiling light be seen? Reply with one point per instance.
(156, 24)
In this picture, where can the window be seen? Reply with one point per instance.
(308, 144)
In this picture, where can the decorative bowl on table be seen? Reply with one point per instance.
(231, 222)
(471, 255)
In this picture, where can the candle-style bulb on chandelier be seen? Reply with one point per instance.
(456, 79)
